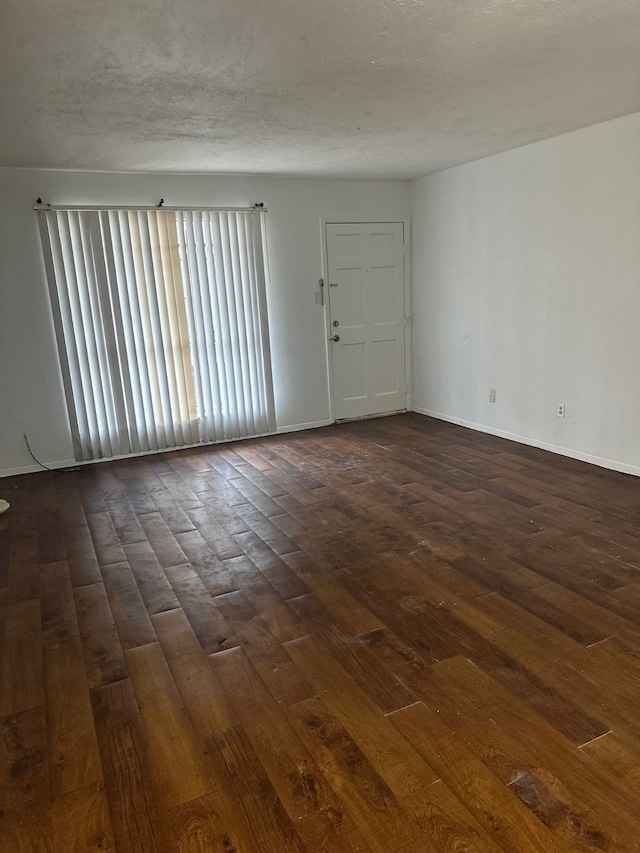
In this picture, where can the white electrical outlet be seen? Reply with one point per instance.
(492, 395)
(560, 410)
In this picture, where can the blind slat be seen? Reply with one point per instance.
(155, 343)
(260, 249)
(139, 312)
(202, 327)
(50, 238)
(125, 330)
(94, 334)
(225, 356)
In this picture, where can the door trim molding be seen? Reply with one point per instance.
(408, 331)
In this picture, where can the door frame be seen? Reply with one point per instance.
(408, 329)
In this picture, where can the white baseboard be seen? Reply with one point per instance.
(72, 463)
(32, 468)
(300, 427)
(601, 461)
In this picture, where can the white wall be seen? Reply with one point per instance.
(31, 395)
(536, 253)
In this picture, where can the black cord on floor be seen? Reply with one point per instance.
(37, 461)
(42, 465)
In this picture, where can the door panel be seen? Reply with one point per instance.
(366, 298)
(350, 362)
(385, 376)
(383, 306)
(352, 296)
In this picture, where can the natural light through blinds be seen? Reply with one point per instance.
(161, 323)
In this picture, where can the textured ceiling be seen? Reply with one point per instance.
(383, 88)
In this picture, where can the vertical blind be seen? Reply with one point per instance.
(161, 324)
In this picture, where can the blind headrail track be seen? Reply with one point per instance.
(89, 207)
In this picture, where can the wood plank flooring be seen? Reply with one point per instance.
(392, 635)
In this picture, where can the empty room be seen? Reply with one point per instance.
(320, 426)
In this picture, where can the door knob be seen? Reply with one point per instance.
(335, 338)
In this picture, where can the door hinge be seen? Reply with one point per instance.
(407, 321)
(407, 388)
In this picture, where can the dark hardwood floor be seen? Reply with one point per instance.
(393, 635)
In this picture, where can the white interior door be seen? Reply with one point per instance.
(367, 318)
